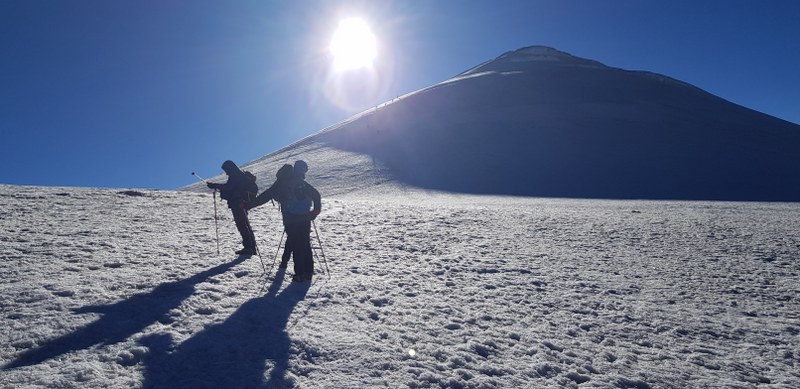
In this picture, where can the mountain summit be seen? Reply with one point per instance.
(541, 122)
(514, 60)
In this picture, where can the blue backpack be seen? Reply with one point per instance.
(298, 201)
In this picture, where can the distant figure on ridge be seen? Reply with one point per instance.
(240, 187)
(297, 197)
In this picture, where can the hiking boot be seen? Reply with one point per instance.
(299, 278)
(246, 251)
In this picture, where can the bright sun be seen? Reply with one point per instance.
(353, 45)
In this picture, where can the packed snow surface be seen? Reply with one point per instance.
(123, 289)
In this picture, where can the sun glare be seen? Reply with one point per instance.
(353, 45)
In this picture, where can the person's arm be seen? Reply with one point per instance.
(317, 200)
(315, 197)
(219, 186)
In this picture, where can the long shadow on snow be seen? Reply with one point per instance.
(232, 354)
(120, 320)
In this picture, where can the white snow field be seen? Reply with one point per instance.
(104, 288)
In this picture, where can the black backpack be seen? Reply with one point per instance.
(281, 186)
(286, 172)
(250, 187)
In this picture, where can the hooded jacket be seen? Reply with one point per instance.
(235, 190)
(300, 198)
(295, 196)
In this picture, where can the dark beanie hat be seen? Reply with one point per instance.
(300, 167)
(229, 166)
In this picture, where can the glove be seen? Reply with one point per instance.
(211, 185)
(313, 214)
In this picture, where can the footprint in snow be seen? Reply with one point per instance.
(206, 311)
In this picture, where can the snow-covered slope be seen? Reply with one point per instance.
(123, 289)
(540, 122)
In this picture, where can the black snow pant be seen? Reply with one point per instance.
(287, 254)
(243, 225)
(298, 238)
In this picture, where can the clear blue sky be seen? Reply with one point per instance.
(142, 93)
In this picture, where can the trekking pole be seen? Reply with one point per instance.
(319, 242)
(266, 273)
(277, 251)
(216, 228)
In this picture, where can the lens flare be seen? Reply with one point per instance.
(354, 74)
(353, 45)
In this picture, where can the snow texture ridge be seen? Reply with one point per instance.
(123, 289)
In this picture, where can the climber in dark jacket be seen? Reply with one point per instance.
(278, 190)
(239, 188)
(297, 197)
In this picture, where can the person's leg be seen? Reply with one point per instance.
(291, 237)
(303, 246)
(287, 253)
(243, 225)
(299, 235)
(251, 236)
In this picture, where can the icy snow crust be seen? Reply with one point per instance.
(123, 289)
